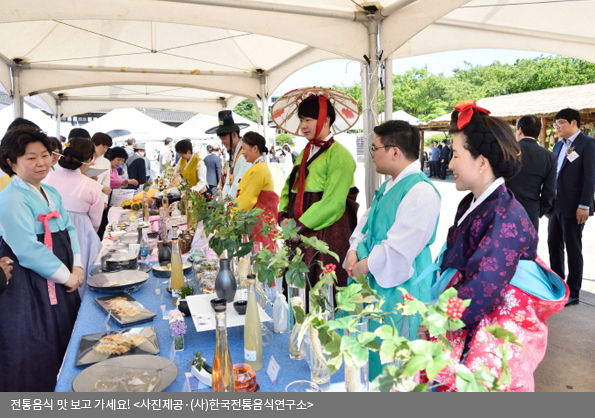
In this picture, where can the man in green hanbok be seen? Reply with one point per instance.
(391, 243)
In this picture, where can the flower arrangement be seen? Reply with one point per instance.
(412, 365)
(290, 263)
(176, 323)
(225, 224)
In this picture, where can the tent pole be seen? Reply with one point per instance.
(257, 111)
(17, 99)
(58, 111)
(388, 88)
(265, 107)
(370, 103)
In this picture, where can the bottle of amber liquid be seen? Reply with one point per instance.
(222, 379)
(252, 329)
(177, 273)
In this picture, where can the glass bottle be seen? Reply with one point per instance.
(222, 379)
(244, 266)
(165, 205)
(177, 273)
(145, 206)
(252, 330)
(164, 254)
(189, 218)
(280, 308)
(145, 246)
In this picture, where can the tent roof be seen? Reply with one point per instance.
(195, 127)
(141, 126)
(541, 103)
(207, 55)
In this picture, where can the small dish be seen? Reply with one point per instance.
(219, 304)
(240, 306)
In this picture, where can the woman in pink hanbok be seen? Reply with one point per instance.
(82, 197)
(491, 256)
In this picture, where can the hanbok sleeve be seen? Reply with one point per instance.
(330, 208)
(250, 187)
(74, 239)
(503, 241)
(17, 222)
(201, 175)
(96, 206)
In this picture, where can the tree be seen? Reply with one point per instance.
(247, 110)
(283, 138)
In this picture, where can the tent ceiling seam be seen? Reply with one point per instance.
(102, 35)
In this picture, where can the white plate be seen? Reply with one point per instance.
(203, 314)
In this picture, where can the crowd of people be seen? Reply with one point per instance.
(50, 218)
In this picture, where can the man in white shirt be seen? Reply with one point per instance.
(391, 243)
(166, 155)
(229, 133)
(130, 143)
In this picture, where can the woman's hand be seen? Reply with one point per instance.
(75, 280)
(5, 263)
(134, 182)
(284, 222)
(350, 262)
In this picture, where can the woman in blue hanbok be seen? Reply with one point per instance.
(40, 304)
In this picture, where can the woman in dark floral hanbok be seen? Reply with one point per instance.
(491, 255)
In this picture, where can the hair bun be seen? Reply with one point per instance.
(70, 159)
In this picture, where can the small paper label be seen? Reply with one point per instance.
(573, 156)
(249, 355)
(273, 369)
(133, 248)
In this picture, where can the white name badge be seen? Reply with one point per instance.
(573, 156)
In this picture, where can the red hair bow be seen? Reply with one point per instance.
(465, 109)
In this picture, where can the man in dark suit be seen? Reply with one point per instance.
(535, 185)
(213, 163)
(574, 203)
(444, 159)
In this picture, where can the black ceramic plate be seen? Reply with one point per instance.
(127, 374)
(127, 281)
(141, 266)
(165, 272)
(125, 310)
(104, 345)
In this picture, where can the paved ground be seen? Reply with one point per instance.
(570, 359)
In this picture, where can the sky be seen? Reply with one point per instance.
(345, 72)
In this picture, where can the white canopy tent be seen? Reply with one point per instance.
(45, 122)
(79, 56)
(142, 127)
(195, 127)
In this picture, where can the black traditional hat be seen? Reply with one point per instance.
(226, 124)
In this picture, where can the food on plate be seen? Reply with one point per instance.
(130, 381)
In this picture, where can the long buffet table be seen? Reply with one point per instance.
(153, 294)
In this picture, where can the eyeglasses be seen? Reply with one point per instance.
(559, 123)
(374, 148)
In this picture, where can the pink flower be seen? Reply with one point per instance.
(488, 264)
(508, 230)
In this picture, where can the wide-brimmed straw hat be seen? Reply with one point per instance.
(285, 109)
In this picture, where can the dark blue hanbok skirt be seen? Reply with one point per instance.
(34, 335)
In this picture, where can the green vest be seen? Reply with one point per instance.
(380, 219)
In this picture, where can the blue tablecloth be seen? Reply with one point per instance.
(91, 319)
